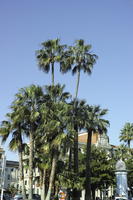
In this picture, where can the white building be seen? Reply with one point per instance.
(8, 171)
(11, 174)
(36, 186)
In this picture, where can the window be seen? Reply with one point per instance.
(26, 182)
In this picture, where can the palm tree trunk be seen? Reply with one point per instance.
(128, 143)
(77, 85)
(52, 74)
(31, 167)
(43, 184)
(52, 175)
(70, 159)
(88, 170)
(76, 167)
(70, 170)
(93, 193)
(41, 181)
(21, 169)
(76, 193)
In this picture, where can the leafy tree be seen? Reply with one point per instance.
(121, 152)
(126, 133)
(102, 169)
(129, 165)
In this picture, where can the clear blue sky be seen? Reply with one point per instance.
(106, 24)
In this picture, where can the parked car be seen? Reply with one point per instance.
(36, 197)
(18, 197)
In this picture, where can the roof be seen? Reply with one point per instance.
(10, 163)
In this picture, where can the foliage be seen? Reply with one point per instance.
(50, 53)
(102, 168)
(12, 190)
(51, 121)
(126, 133)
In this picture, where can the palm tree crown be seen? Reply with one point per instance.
(126, 133)
(78, 58)
(50, 54)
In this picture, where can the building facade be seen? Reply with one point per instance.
(9, 172)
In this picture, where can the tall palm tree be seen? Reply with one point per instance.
(78, 58)
(29, 100)
(14, 127)
(126, 133)
(94, 123)
(78, 122)
(49, 55)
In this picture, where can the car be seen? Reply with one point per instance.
(18, 197)
(36, 197)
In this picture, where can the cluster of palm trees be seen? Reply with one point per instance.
(51, 118)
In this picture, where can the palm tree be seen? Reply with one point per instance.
(29, 100)
(126, 133)
(94, 123)
(78, 58)
(78, 122)
(50, 54)
(14, 127)
(54, 122)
